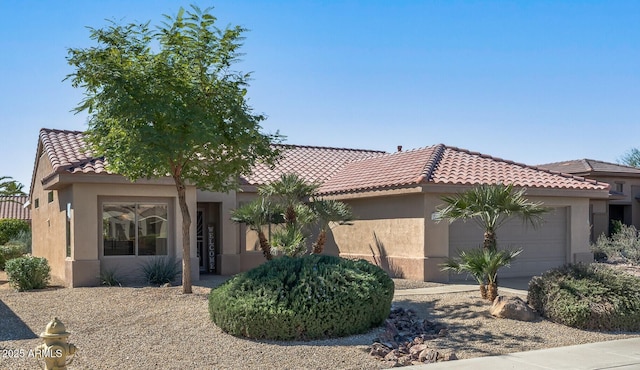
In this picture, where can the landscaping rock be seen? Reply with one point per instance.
(404, 340)
(512, 308)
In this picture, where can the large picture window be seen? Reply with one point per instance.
(131, 229)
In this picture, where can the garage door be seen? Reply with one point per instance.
(543, 248)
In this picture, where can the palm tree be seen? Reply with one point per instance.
(483, 265)
(495, 260)
(289, 190)
(10, 187)
(471, 262)
(255, 215)
(490, 206)
(327, 211)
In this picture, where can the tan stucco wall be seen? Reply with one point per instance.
(48, 223)
(86, 261)
(388, 231)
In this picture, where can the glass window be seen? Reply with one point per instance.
(134, 229)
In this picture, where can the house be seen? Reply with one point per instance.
(396, 196)
(623, 203)
(87, 220)
(16, 207)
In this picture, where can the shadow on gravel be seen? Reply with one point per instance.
(461, 334)
(13, 328)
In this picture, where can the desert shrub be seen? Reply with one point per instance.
(23, 238)
(10, 228)
(588, 297)
(110, 278)
(26, 273)
(8, 252)
(161, 270)
(623, 245)
(314, 296)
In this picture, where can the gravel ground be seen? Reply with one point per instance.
(149, 328)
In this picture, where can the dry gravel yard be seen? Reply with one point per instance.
(149, 328)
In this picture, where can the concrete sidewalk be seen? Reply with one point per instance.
(517, 286)
(617, 354)
(621, 354)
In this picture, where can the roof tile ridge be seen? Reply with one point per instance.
(523, 165)
(56, 165)
(614, 164)
(432, 163)
(588, 165)
(559, 162)
(47, 147)
(56, 130)
(327, 147)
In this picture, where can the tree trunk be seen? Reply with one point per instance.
(318, 246)
(186, 236)
(492, 291)
(490, 240)
(264, 245)
(483, 291)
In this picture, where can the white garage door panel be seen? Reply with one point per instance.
(543, 248)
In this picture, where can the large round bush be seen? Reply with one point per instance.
(303, 298)
(588, 297)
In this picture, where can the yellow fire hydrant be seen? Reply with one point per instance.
(55, 350)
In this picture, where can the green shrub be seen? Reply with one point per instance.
(161, 270)
(110, 278)
(10, 228)
(8, 252)
(624, 245)
(314, 296)
(23, 238)
(588, 297)
(26, 273)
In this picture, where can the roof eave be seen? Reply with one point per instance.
(61, 180)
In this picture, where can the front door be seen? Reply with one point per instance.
(201, 240)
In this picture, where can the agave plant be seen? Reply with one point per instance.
(483, 265)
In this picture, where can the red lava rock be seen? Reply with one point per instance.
(403, 341)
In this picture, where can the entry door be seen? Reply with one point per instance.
(201, 239)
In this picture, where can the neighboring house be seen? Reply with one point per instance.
(87, 220)
(623, 203)
(15, 206)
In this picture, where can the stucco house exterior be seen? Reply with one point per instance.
(623, 203)
(87, 220)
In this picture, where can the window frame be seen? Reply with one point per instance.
(136, 202)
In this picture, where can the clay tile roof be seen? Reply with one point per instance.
(589, 166)
(314, 164)
(68, 152)
(442, 164)
(13, 207)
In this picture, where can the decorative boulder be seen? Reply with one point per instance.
(512, 308)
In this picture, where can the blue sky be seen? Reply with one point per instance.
(528, 81)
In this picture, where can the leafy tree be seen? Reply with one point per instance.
(167, 102)
(631, 158)
(490, 206)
